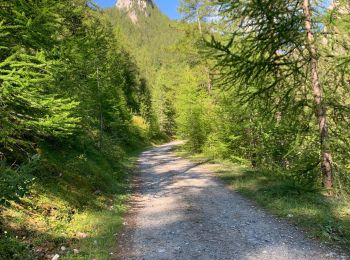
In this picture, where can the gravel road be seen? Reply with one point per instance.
(182, 211)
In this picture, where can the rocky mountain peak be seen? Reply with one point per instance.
(133, 7)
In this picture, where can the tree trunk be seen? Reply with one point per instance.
(199, 22)
(326, 158)
(209, 80)
(100, 109)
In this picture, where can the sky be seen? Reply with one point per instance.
(168, 7)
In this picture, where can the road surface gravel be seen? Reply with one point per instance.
(181, 211)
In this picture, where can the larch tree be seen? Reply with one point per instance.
(267, 49)
(321, 108)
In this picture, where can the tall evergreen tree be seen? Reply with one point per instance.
(32, 108)
(267, 48)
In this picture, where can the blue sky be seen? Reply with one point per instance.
(168, 7)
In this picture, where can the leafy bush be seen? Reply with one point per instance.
(13, 248)
(215, 147)
(15, 183)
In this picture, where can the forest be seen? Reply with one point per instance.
(261, 86)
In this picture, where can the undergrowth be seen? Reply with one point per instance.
(75, 205)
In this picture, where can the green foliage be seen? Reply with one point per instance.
(74, 107)
(30, 107)
(56, 83)
(13, 248)
(261, 110)
(150, 39)
(78, 188)
(15, 183)
(216, 148)
(192, 110)
(13, 186)
(82, 88)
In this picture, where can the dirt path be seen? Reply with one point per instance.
(182, 212)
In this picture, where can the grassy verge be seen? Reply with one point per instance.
(324, 218)
(75, 207)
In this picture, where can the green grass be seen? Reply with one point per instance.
(324, 218)
(79, 191)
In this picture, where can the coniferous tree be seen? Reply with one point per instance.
(31, 107)
(264, 50)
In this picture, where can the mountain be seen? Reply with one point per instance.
(129, 4)
(132, 8)
(150, 36)
(145, 32)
